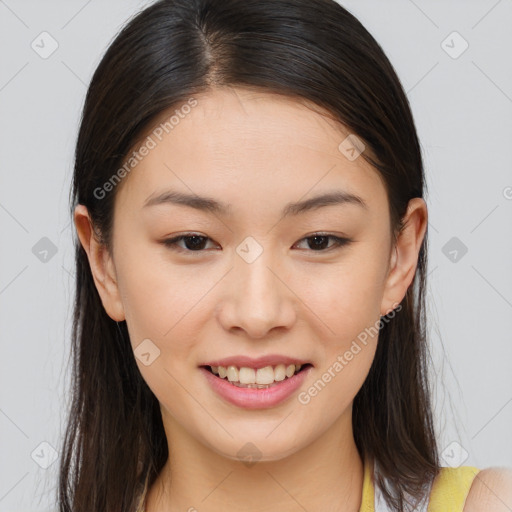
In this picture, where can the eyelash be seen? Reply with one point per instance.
(171, 243)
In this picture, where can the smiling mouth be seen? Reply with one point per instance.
(271, 376)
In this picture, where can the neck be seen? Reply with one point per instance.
(326, 474)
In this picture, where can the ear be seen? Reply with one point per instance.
(404, 257)
(102, 266)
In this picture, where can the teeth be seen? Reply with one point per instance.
(232, 374)
(261, 376)
(245, 376)
(265, 375)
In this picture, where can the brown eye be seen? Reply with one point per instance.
(319, 242)
(192, 242)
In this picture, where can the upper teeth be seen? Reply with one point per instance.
(266, 375)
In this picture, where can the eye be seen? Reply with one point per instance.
(193, 242)
(319, 241)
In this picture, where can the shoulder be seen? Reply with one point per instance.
(491, 490)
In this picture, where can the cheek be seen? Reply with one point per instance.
(161, 302)
(347, 296)
(159, 297)
(346, 304)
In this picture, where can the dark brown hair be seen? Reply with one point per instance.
(314, 51)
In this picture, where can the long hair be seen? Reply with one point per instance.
(314, 51)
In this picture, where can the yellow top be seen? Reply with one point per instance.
(448, 493)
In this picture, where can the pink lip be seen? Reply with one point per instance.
(259, 362)
(252, 398)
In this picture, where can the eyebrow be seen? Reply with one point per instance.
(211, 205)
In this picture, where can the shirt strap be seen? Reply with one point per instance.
(367, 498)
(451, 488)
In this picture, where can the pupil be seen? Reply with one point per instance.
(197, 243)
(321, 237)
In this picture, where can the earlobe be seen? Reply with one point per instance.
(101, 264)
(404, 258)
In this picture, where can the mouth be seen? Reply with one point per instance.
(261, 378)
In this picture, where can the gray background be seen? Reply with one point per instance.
(462, 104)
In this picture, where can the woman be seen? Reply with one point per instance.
(249, 328)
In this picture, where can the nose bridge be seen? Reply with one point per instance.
(260, 300)
(252, 268)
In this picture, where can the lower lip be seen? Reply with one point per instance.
(253, 398)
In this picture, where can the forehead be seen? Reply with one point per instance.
(243, 145)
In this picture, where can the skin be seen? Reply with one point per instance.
(258, 152)
(491, 491)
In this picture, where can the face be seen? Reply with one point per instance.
(254, 276)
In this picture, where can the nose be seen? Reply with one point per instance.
(257, 298)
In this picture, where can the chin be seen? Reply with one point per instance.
(257, 450)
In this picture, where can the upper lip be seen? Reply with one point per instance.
(259, 362)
